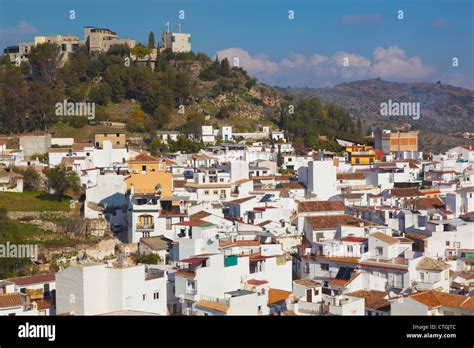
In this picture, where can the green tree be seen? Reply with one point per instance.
(225, 67)
(279, 158)
(151, 40)
(193, 125)
(119, 50)
(60, 180)
(45, 60)
(101, 94)
(31, 178)
(42, 105)
(14, 96)
(25, 68)
(161, 116)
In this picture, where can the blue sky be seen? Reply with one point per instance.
(306, 51)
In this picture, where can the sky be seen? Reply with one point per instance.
(326, 42)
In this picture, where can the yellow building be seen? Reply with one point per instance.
(148, 174)
(361, 154)
(118, 140)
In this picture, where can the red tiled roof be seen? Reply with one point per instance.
(354, 239)
(434, 298)
(277, 295)
(10, 300)
(350, 176)
(36, 279)
(191, 223)
(241, 200)
(319, 206)
(332, 221)
(256, 282)
(194, 260)
(406, 192)
(179, 183)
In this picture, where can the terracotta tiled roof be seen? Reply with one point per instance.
(44, 303)
(242, 181)
(319, 206)
(306, 282)
(406, 192)
(416, 235)
(179, 183)
(350, 176)
(292, 185)
(143, 157)
(241, 200)
(332, 221)
(434, 298)
(430, 264)
(256, 282)
(81, 146)
(373, 299)
(277, 295)
(199, 215)
(220, 307)
(428, 203)
(385, 238)
(354, 239)
(11, 300)
(242, 243)
(36, 279)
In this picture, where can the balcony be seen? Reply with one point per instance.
(141, 226)
(221, 301)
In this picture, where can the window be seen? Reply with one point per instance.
(168, 223)
(306, 268)
(143, 169)
(350, 249)
(447, 243)
(144, 297)
(378, 251)
(325, 266)
(206, 192)
(156, 295)
(316, 292)
(215, 192)
(117, 142)
(422, 276)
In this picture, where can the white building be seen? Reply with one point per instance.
(94, 289)
(319, 177)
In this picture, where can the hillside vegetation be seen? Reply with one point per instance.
(183, 92)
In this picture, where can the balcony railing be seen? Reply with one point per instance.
(216, 300)
(145, 226)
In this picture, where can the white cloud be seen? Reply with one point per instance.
(22, 31)
(318, 70)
